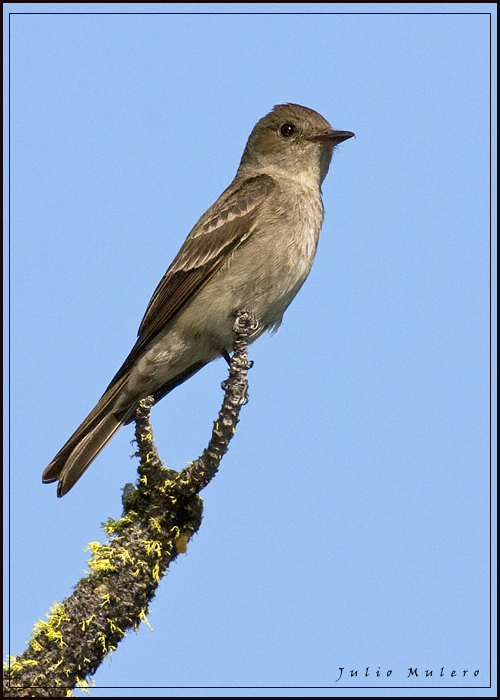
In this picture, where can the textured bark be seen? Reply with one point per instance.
(161, 513)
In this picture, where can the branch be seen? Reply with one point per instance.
(161, 513)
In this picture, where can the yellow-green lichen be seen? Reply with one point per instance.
(49, 628)
(102, 555)
(152, 547)
(143, 618)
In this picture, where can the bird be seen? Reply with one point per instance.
(252, 249)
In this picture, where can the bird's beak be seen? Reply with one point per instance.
(333, 137)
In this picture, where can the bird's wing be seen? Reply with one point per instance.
(229, 222)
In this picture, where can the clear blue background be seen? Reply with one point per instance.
(349, 523)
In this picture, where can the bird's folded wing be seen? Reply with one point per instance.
(229, 222)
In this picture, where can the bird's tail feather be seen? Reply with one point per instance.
(87, 441)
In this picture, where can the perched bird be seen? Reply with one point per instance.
(252, 249)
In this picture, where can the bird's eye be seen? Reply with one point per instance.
(287, 130)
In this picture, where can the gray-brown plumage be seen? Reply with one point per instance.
(252, 249)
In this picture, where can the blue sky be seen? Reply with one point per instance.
(348, 526)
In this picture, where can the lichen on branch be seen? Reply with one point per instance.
(161, 513)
